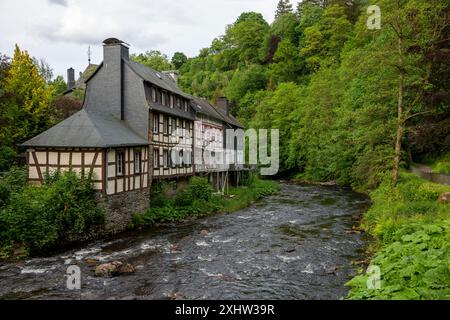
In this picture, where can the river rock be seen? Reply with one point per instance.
(444, 198)
(113, 269)
(204, 232)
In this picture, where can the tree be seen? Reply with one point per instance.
(44, 69)
(247, 35)
(283, 7)
(178, 60)
(58, 85)
(153, 59)
(323, 41)
(26, 109)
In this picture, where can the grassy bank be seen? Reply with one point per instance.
(413, 242)
(442, 164)
(198, 199)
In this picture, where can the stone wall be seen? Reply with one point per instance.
(119, 208)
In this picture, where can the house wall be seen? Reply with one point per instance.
(128, 180)
(165, 142)
(80, 160)
(209, 135)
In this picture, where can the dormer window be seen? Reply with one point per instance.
(153, 94)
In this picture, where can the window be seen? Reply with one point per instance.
(155, 158)
(120, 157)
(185, 105)
(166, 124)
(153, 94)
(174, 125)
(178, 102)
(181, 159)
(155, 123)
(137, 161)
(171, 101)
(166, 158)
(184, 124)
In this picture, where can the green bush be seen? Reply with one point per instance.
(7, 156)
(200, 189)
(13, 181)
(63, 208)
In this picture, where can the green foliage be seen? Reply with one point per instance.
(24, 103)
(178, 60)
(247, 80)
(153, 59)
(64, 208)
(198, 199)
(7, 155)
(413, 230)
(12, 182)
(442, 164)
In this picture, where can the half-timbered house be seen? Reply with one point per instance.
(136, 125)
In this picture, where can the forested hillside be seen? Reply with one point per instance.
(351, 103)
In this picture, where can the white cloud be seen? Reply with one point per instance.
(61, 30)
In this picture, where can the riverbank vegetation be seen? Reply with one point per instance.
(198, 198)
(413, 233)
(36, 218)
(353, 105)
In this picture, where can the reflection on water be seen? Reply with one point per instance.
(289, 246)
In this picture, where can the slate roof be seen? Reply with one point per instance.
(204, 107)
(163, 80)
(87, 130)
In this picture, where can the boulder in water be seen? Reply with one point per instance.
(113, 269)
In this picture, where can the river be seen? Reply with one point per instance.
(297, 244)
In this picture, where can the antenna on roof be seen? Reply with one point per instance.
(89, 54)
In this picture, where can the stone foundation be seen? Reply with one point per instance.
(119, 208)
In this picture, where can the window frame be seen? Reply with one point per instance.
(166, 125)
(156, 128)
(156, 159)
(137, 152)
(120, 155)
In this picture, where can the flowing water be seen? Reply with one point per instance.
(294, 245)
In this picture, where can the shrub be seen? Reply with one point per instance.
(63, 208)
(13, 181)
(200, 188)
(7, 156)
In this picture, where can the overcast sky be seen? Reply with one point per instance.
(60, 31)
